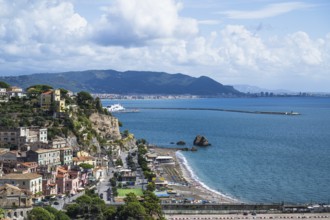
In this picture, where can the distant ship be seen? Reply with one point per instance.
(119, 108)
(292, 113)
(115, 108)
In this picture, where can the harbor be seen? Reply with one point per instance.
(290, 113)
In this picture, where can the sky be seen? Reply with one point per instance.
(271, 44)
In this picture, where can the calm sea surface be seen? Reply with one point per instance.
(253, 157)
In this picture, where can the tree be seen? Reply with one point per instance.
(73, 210)
(51, 210)
(64, 92)
(113, 181)
(132, 208)
(84, 99)
(84, 199)
(2, 213)
(86, 166)
(119, 162)
(151, 204)
(39, 213)
(130, 197)
(4, 85)
(151, 186)
(110, 213)
(98, 205)
(38, 89)
(62, 216)
(98, 105)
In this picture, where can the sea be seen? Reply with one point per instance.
(254, 158)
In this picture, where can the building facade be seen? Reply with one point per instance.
(12, 196)
(44, 156)
(66, 156)
(28, 181)
(22, 135)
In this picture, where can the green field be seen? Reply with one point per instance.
(123, 192)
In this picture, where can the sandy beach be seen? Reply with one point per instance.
(184, 184)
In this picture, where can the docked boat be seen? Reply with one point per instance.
(119, 108)
(116, 108)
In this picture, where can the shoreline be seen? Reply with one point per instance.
(192, 179)
(193, 188)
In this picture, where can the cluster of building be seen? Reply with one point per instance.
(55, 165)
(39, 167)
(7, 93)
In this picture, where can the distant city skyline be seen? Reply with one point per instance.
(272, 44)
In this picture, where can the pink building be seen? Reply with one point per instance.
(67, 180)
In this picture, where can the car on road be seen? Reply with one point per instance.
(56, 203)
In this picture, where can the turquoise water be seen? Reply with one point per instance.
(253, 157)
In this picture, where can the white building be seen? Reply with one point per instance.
(28, 181)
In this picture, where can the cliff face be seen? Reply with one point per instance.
(106, 126)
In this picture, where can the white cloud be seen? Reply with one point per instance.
(271, 10)
(209, 22)
(40, 21)
(50, 36)
(135, 22)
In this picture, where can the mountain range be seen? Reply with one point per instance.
(129, 82)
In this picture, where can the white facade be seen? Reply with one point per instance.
(29, 181)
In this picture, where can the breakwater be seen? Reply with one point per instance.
(290, 113)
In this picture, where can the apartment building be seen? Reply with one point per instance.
(44, 156)
(22, 135)
(28, 181)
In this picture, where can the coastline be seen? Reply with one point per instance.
(193, 187)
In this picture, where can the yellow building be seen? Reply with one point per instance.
(47, 98)
(84, 157)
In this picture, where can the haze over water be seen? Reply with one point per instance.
(253, 157)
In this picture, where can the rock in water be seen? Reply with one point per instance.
(201, 141)
(193, 149)
(180, 143)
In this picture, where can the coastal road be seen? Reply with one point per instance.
(292, 216)
(104, 184)
(61, 202)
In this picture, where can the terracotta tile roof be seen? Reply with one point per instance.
(46, 150)
(47, 93)
(30, 164)
(6, 186)
(18, 176)
(83, 158)
(62, 170)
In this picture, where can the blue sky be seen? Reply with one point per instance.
(266, 43)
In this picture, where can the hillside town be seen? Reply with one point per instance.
(41, 169)
(34, 169)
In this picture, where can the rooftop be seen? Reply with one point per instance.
(16, 176)
(45, 150)
(164, 158)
